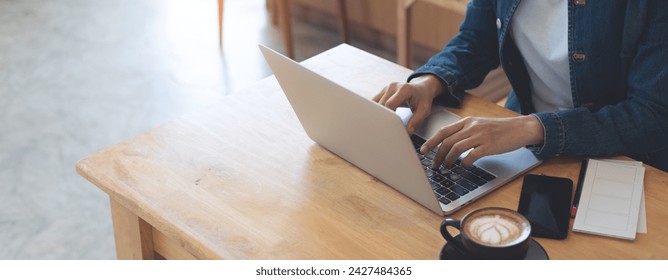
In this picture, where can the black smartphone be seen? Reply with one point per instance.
(545, 201)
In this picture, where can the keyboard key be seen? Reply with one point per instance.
(467, 185)
(442, 191)
(435, 185)
(443, 172)
(473, 178)
(487, 176)
(426, 162)
(481, 173)
(452, 196)
(437, 178)
(431, 155)
(454, 177)
(417, 140)
(475, 170)
(458, 170)
(447, 183)
(444, 200)
(459, 190)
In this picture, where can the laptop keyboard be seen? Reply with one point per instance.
(452, 183)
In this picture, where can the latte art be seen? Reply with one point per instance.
(495, 229)
(491, 233)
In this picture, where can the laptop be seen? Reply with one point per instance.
(374, 139)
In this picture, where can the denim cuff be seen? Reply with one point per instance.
(554, 135)
(451, 98)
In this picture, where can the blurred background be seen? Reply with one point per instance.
(77, 76)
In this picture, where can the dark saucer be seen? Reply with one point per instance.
(536, 252)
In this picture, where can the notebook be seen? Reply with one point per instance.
(374, 139)
(611, 199)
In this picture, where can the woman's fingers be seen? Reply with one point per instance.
(486, 136)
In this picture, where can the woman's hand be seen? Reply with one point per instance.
(418, 95)
(486, 136)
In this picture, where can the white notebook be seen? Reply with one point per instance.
(610, 200)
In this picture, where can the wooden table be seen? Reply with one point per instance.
(241, 180)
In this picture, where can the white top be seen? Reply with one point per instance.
(540, 31)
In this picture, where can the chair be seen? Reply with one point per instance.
(495, 88)
(404, 55)
(280, 10)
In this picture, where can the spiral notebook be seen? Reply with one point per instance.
(611, 199)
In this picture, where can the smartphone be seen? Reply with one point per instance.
(545, 201)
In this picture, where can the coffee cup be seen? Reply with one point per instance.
(490, 233)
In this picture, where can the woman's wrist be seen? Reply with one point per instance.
(429, 84)
(534, 129)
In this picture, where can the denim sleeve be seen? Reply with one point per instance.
(465, 61)
(637, 125)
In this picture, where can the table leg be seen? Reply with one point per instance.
(343, 21)
(221, 3)
(134, 238)
(286, 26)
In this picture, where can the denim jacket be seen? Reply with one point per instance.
(618, 67)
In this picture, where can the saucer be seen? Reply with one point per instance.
(536, 252)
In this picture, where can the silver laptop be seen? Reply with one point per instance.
(373, 138)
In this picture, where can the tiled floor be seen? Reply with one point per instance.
(79, 75)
